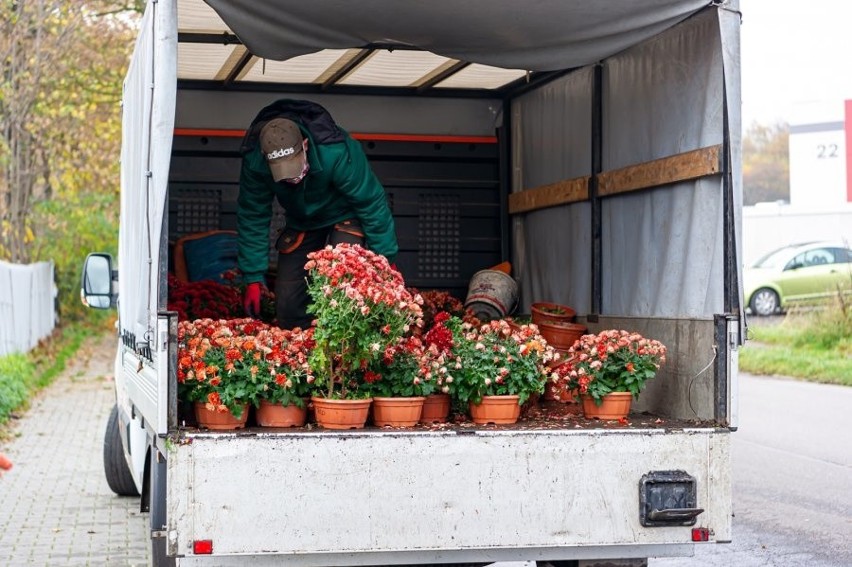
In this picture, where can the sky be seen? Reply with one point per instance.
(796, 60)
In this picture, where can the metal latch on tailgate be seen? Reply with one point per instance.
(668, 498)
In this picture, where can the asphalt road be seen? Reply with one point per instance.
(792, 478)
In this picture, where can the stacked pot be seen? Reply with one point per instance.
(556, 324)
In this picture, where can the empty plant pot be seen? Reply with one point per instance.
(543, 311)
(561, 336)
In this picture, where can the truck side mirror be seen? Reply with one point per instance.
(96, 288)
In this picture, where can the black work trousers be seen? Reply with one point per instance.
(291, 288)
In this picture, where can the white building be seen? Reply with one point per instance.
(820, 164)
(820, 205)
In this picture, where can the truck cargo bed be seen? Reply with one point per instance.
(548, 489)
(542, 415)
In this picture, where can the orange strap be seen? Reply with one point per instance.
(291, 241)
(347, 228)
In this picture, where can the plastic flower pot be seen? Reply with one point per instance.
(543, 311)
(219, 420)
(615, 405)
(397, 412)
(561, 336)
(496, 409)
(269, 414)
(341, 414)
(436, 409)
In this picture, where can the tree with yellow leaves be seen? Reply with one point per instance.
(62, 64)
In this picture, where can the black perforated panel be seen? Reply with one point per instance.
(196, 210)
(439, 230)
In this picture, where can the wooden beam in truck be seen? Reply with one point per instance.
(673, 169)
(559, 193)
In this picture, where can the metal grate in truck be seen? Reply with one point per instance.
(196, 210)
(439, 230)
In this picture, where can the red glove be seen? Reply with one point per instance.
(251, 300)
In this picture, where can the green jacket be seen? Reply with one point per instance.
(339, 185)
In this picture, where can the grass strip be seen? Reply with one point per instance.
(24, 374)
(814, 346)
(808, 364)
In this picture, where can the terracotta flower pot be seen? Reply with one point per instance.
(217, 420)
(543, 311)
(341, 414)
(397, 412)
(279, 415)
(561, 336)
(436, 408)
(496, 409)
(615, 405)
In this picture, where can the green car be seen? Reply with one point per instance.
(798, 274)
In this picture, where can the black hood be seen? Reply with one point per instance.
(312, 116)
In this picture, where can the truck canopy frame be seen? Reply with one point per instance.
(487, 47)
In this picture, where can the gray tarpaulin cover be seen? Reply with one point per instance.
(662, 249)
(521, 34)
(146, 145)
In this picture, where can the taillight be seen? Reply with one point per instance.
(205, 546)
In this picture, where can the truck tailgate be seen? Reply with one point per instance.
(344, 497)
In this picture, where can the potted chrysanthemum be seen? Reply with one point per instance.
(224, 365)
(361, 307)
(437, 363)
(221, 367)
(498, 367)
(399, 383)
(205, 299)
(610, 369)
(439, 301)
(289, 381)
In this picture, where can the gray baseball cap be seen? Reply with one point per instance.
(281, 144)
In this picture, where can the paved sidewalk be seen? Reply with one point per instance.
(55, 505)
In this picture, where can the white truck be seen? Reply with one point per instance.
(594, 144)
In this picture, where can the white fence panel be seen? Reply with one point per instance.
(27, 312)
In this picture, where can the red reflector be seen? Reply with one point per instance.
(205, 546)
(700, 534)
